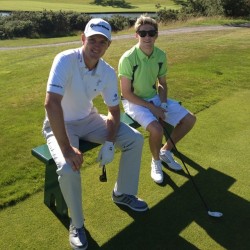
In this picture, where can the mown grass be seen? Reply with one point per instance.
(85, 6)
(201, 73)
(176, 219)
(209, 73)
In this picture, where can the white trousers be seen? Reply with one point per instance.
(93, 128)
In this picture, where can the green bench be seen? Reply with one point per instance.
(53, 197)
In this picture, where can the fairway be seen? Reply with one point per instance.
(85, 6)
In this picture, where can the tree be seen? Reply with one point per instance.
(239, 8)
(204, 7)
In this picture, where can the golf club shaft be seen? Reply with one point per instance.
(190, 176)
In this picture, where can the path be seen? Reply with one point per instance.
(163, 32)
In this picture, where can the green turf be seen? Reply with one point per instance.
(85, 6)
(199, 80)
(176, 219)
(208, 72)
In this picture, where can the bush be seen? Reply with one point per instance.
(53, 23)
(239, 8)
(78, 21)
(61, 24)
(17, 29)
(165, 16)
(41, 24)
(232, 8)
(45, 25)
(118, 22)
(203, 7)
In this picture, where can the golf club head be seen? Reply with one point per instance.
(215, 214)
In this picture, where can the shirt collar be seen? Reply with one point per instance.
(141, 54)
(82, 65)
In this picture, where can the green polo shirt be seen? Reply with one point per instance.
(143, 71)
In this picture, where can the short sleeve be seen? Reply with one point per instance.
(59, 74)
(125, 68)
(110, 92)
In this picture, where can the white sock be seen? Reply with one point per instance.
(155, 161)
(115, 191)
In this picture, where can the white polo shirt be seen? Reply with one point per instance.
(70, 78)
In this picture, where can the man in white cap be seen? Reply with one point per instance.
(77, 76)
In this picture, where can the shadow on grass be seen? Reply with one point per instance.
(114, 3)
(180, 2)
(161, 227)
(66, 222)
(241, 25)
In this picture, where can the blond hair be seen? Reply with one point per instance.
(145, 19)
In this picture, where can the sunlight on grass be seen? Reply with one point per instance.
(197, 76)
(84, 6)
(199, 238)
(208, 72)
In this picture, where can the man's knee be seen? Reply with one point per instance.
(192, 118)
(189, 120)
(66, 171)
(135, 139)
(139, 138)
(155, 129)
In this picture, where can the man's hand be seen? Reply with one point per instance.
(74, 157)
(106, 154)
(157, 111)
(164, 106)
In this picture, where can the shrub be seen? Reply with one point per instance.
(239, 8)
(78, 21)
(41, 24)
(165, 16)
(61, 23)
(233, 8)
(118, 22)
(17, 29)
(203, 7)
(45, 23)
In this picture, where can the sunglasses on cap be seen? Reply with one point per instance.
(143, 33)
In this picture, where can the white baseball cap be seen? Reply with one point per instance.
(98, 26)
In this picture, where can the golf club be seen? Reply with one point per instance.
(210, 213)
(103, 176)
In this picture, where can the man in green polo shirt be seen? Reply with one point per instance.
(142, 71)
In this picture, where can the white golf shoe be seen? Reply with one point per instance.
(77, 238)
(167, 157)
(156, 171)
